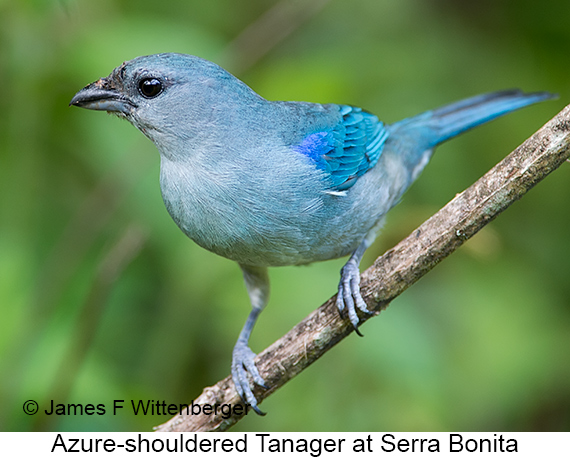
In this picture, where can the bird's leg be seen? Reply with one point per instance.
(349, 286)
(257, 284)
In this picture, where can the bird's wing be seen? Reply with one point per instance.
(349, 149)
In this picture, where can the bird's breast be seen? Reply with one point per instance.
(262, 216)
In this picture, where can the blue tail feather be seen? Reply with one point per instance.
(451, 120)
(419, 135)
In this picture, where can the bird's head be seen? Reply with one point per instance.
(172, 97)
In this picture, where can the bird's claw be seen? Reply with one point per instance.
(242, 363)
(349, 296)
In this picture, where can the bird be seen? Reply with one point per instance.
(274, 183)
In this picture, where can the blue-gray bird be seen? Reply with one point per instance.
(269, 183)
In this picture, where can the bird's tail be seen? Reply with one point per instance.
(448, 121)
(419, 135)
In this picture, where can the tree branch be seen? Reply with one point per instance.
(266, 32)
(396, 270)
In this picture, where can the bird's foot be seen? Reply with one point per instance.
(349, 296)
(242, 363)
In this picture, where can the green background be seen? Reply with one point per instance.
(103, 298)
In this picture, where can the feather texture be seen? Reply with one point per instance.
(348, 150)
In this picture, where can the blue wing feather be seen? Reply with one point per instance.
(350, 149)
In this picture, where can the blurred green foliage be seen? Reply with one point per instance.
(103, 298)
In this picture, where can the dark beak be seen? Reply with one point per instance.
(102, 95)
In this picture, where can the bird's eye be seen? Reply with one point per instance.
(150, 87)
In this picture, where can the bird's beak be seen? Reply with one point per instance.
(103, 95)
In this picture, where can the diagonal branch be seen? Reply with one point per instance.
(262, 35)
(396, 270)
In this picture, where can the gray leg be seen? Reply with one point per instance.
(349, 286)
(257, 284)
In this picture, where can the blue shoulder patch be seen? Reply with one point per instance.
(349, 150)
